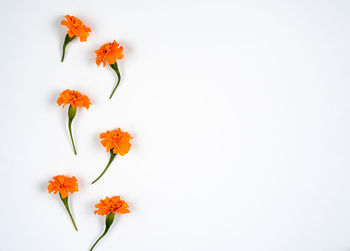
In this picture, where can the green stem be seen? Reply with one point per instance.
(65, 202)
(109, 221)
(109, 162)
(71, 137)
(115, 68)
(71, 114)
(104, 233)
(67, 40)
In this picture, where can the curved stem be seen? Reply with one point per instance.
(71, 136)
(104, 233)
(115, 68)
(67, 40)
(109, 163)
(65, 202)
(64, 52)
(109, 222)
(72, 111)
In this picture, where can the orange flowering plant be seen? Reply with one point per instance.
(115, 141)
(74, 99)
(109, 207)
(64, 186)
(76, 28)
(109, 53)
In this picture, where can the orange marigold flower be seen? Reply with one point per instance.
(76, 28)
(63, 184)
(109, 207)
(114, 204)
(74, 98)
(117, 140)
(109, 52)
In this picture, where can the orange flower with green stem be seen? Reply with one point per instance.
(115, 142)
(109, 53)
(76, 28)
(74, 99)
(64, 186)
(109, 207)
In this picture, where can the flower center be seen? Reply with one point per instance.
(74, 97)
(107, 49)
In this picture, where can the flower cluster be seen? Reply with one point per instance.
(116, 141)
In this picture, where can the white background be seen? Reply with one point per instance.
(239, 110)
